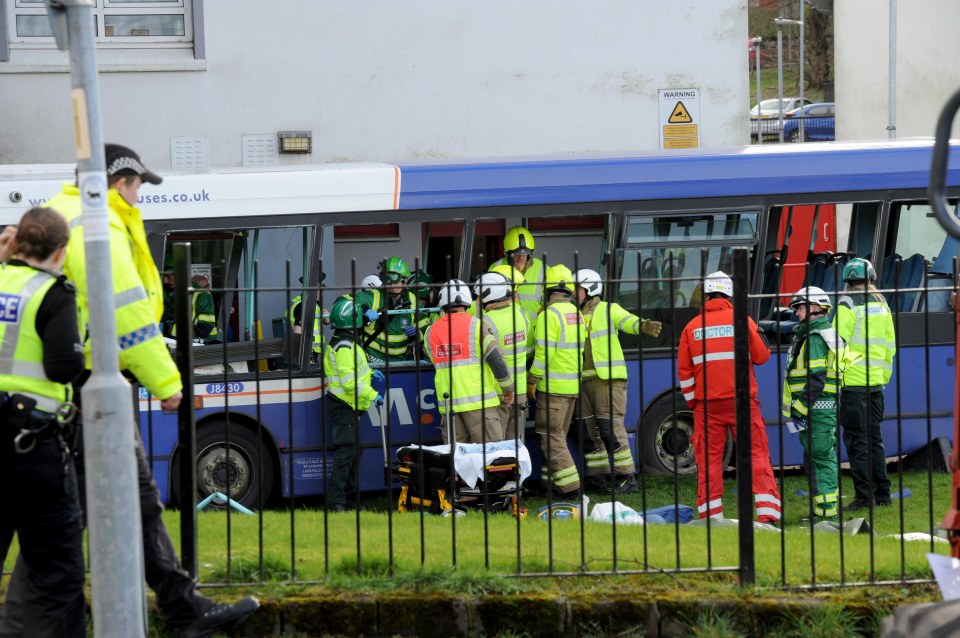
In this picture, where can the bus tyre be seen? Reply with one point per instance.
(666, 441)
(249, 484)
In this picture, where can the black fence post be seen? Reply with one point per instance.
(185, 417)
(741, 346)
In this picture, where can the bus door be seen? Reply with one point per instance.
(471, 245)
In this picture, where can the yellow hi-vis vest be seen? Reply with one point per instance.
(558, 360)
(531, 293)
(317, 337)
(22, 290)
(391, 341)
(137, 293)
(456, 349)
(603, 323)
(200, 315)
(512, 331)
(867, 327)
(348, 375)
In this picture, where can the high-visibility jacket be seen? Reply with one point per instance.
(136, 288)
(867, 328)
(348, 375)
(22, 290)
(813, 370)
(603, 321)
(317, 336)
(531, 293)
(705, 359)
(203, 314)
(512, 331)
(390, 339)
(455, 346)
(558, 360)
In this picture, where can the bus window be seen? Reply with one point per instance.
(918, 247)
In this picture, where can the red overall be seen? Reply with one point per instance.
(705, 367)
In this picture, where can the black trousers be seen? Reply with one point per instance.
(861, 414)
(345, 456)
(40, 503)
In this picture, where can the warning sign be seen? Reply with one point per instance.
(679, 115)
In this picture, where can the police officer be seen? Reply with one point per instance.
(389, 336)
(865, 322)
(40, 502)
(144, 355)
(518, 248)
(603, 389)
(350, 392)
(706, 372)
(508, 324)
(470, 369)
(810, 391)
(553, 380)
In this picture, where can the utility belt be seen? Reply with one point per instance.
(20, 420)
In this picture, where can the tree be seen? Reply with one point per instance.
(818, 50)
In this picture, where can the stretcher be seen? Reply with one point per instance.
(438, 479)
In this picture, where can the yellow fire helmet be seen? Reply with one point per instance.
(518, 240)
(511, 273)
(558, 279)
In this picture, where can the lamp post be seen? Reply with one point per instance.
(756, 51)
(780, 22)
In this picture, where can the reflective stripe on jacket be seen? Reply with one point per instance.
(705, 358)
(867, 328)
(811, 384)
(531, 293)
(391, 340)
(512, 331)
(21, 348)
(558, 361)
(455, 347)
(348, 375)
(604, 321)
(138, 295)
(317, 337)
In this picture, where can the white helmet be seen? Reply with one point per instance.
(589, 280)
(811, 294)
(455, 293)
(491, 287)
(718, 282)
(371, 281)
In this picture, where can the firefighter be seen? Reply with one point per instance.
(554, 378)
(470, 368)
(706, 372)
(865, 323)
(389, 337)
(508, 323)
(350, 393)
(518, 248)
(40, 501)
(810, 397)
(603, 390)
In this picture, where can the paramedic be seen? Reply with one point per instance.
(603, 388)
(350, 393)
(865, 323)
(204, 319)
(518, 248)
(705, 367)
(508, 324)
(470, 368)
(144, 355)
(295, 317)
(388, 337)
(810, 392)
(38, 327)
(553, 380)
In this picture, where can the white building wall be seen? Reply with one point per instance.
(396, 81)
(928, 65)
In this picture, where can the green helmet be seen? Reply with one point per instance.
(345, 314)
(419, 284)
(167, 265)
(393, 269)
(858, 269)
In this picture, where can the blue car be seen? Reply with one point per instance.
(818, 123)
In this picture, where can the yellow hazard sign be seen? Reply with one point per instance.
(680, 115)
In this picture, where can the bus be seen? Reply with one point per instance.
(652, 223)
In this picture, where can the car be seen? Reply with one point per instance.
(769, 114)
(818, 123)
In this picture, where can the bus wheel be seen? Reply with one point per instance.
(666, 440)
(249, 481)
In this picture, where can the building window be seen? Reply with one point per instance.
(117, 24)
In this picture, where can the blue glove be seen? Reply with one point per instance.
(371, 315)
(377, 376)
(379, 401)
(796, 426)
(410, 331)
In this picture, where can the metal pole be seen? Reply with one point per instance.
(779, 22)
(756, 50)
(187, 459)
(802, 79)
(892, 100)
(741, 349)
(113, 502)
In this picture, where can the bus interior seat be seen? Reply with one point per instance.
(911, 276)
(816, 269)
(888, 276)
(937, 297)
(772, 271)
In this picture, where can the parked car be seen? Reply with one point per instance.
(818, 123)
(769, 115)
